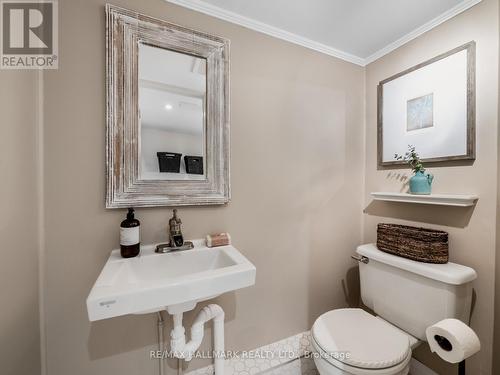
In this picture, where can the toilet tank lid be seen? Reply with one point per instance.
(449, 273)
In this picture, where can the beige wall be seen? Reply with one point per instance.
(496, 337)
(472, 232)
(19, 320)
(298, 149)
(297, 155)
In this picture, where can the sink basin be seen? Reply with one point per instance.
(174, 281)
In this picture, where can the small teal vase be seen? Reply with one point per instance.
(421, 183)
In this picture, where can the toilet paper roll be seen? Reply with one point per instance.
(452, 340)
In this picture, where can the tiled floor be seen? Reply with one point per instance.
(305, 366)
(278, 358)
(301, 366)
(285, 357)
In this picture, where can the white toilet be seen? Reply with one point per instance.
(407, 297)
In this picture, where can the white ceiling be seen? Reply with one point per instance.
(176, 80)
(174, 69)
(184, 116)
(359, 31)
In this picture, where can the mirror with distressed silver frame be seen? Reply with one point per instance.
(167, 113)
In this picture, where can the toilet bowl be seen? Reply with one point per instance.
(351, 341)
(407, 296)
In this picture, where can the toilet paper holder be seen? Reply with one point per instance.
(446, 345)
(452, 338)
(461, 368)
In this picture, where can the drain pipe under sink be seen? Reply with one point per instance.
(161, 367)
(185, 350)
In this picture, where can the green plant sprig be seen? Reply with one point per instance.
(411, 158)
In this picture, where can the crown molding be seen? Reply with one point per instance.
(462, 7)
(249, 23)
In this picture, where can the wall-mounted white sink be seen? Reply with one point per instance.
(174, 281)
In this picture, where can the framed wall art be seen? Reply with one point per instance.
(430, 106)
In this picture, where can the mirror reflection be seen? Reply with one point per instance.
(172, 96)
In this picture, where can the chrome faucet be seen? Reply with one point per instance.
(176, 239)
(174, 231)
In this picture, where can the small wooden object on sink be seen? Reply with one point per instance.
(219, 239)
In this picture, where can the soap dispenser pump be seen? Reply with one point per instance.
(130, 236)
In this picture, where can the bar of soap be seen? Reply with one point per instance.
(218, 239)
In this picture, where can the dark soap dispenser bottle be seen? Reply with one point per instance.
(129, 236)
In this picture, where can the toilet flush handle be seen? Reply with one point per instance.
(361, 259)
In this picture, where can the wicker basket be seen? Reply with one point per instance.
(420, 244)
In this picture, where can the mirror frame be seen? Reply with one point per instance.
(125, 29)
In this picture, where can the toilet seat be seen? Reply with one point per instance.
(367, 343)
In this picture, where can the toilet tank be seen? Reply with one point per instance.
(414, 295)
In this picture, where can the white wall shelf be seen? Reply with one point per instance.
(465, 200)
